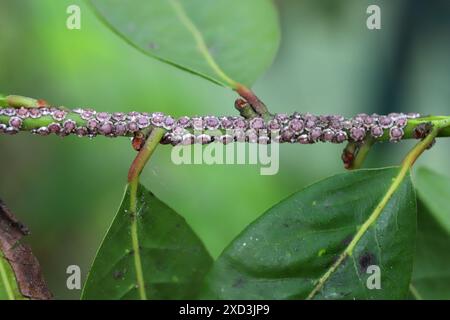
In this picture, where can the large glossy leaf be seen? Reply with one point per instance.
(284, 253)
(173, 259)
(222, 40)
(431, 276)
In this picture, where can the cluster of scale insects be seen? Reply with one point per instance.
(296, 128)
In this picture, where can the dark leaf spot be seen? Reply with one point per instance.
(153, 46)
(238, 283)
(347, 240)
(366, 260)
(118, 274)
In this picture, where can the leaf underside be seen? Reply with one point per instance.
(240, 37)
(174, 259)
(285, 252)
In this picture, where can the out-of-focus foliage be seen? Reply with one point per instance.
(431, 268)
(68, 190)
(431, 273)
(434, 190)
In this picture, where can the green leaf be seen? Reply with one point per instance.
(434, 190)
(173, 259)
(285, 252)
(9, 290)
(431, 276)
(225, 41)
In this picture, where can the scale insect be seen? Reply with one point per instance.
(303, 128)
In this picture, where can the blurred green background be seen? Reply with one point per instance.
(67, 190)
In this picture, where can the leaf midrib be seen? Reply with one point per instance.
(373, 217)
(201, 43)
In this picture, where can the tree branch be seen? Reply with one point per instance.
(295, 128)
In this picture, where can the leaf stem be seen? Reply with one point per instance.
(133, 180)
(242, 90)
(257, 105)
(245, 109)
(145, 153)
(407, 163)
(362, 152)
(135, 240)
